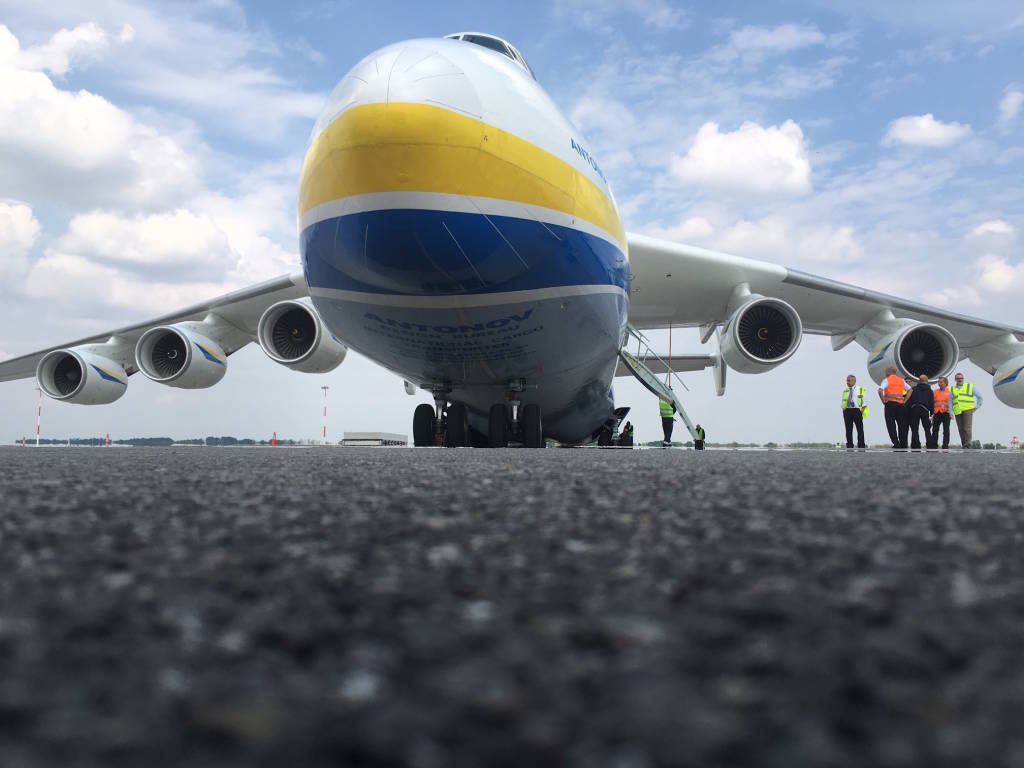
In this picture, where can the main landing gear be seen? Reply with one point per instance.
(447, 423)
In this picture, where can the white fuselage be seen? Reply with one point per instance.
(455, 229)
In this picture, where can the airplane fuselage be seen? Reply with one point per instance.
(455, 229)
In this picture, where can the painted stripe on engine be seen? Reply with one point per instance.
(105, 374)
(1009, 377)
(208, 354)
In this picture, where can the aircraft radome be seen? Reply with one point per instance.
(456, 229)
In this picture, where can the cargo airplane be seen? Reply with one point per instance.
(457, 229)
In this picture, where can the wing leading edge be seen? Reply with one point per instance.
(239, 310)
(683, 285)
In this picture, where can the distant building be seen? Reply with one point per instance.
(374, 439)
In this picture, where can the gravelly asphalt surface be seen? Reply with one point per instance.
(472, 607)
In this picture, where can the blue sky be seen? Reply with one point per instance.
(149, 155)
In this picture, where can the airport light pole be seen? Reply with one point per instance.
(324, 435)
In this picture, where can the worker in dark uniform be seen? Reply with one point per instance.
(894, 394)
(668, 415)
(920, 405)
(626, 436)
(698, 444)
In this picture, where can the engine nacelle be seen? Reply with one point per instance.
(915, 349)
(760, 335)
(1008, 382)
(181, 356)
(292, 334)
(80, 376)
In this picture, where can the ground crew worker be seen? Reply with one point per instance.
(940, 417)
(854, 411)
(698, 443)
(963, 409)
(626, 436)
(893, 393)
(920, 405)
(668, 413)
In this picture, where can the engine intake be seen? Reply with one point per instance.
(760, 335)
(292, 334)
(81, 376)
(180, 356)
(918, 348)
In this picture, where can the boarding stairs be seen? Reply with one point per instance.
(646, 366)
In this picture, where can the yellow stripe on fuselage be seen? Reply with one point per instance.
(408, 147)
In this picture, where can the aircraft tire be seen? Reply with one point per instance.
(604, 437)
(457, 433)
(423, 425)
(497, 426)
(533, 432)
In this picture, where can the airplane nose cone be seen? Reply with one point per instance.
(403, 73)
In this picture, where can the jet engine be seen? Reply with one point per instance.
(915, 349)
(80, 376)
(1008, 382)
(292, 334)
(760, 335)
(181, 356)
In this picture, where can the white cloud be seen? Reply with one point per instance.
(998, 275)
(77, 146)
(19, 230)
(925, 131)
(753, 158)
(64, 50)
(82, 285)
(694, 229)
(178, 241)
(993, 227)
(597, 14)
(776, 40)
(1010, 106)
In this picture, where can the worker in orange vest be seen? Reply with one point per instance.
(941, 416)
(894, 394)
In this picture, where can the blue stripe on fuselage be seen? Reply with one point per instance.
(431, 253)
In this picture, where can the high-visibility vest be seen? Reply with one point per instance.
(963, 398)
(941, 397)
(700, 433)
(860, 397)
(894, 389)
(666, 409)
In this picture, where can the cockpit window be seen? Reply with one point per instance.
(495, 44)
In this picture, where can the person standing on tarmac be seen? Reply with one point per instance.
(668, 414)
(941, 414)
(854, 411)
(893, 393)
(698, 443)
(963, 409)
(920, 405)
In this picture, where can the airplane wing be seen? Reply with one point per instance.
(683, 285)
(230, 321)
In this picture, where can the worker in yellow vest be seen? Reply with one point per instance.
(894, 393)
(668, 413)
(963, 409)
(854, 411)
(940, 417)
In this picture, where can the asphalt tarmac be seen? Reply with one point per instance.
(446, 608)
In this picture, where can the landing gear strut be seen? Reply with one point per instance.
(512, 420)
